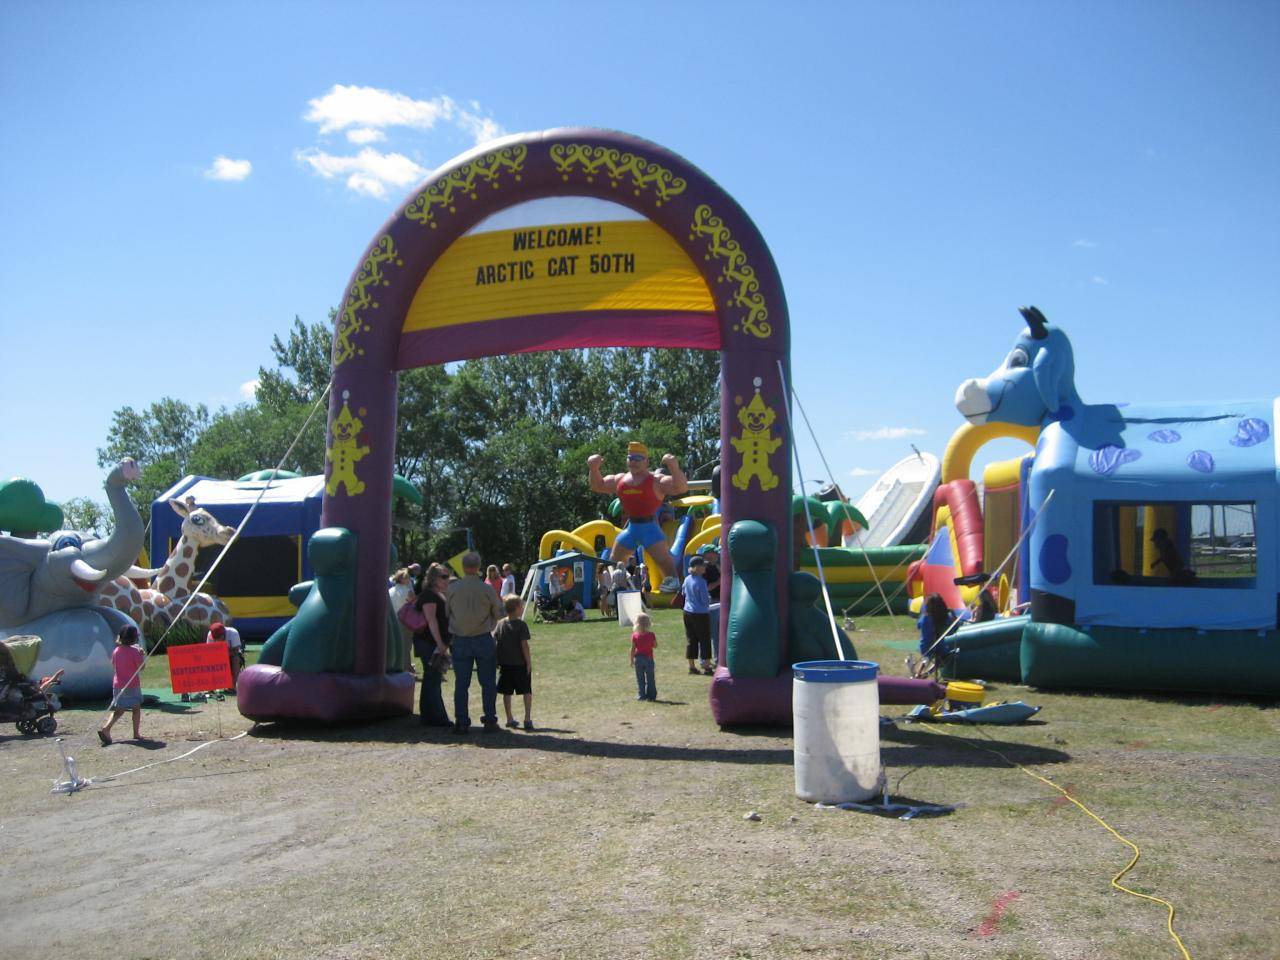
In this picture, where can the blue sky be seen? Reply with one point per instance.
(919, 170)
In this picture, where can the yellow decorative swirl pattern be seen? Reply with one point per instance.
(444, 194)
(735, 270)
(617, 165)
(360, 296)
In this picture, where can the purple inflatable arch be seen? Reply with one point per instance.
(748, 324)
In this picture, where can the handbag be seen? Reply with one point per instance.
(412, 617)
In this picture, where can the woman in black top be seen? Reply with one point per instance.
(432, 645)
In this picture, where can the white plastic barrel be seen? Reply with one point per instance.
(629, 607)
(836, 710)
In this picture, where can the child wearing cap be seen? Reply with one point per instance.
(697, 617)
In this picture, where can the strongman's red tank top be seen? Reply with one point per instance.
(639, 499)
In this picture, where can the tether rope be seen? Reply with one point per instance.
(832, 478)
(73, 782)
(788, 395)
(1137, 852)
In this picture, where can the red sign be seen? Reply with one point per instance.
(197, 667)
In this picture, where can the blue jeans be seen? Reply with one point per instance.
(478, 653)
(646, 688)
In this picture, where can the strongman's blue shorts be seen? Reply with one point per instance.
(637, 535)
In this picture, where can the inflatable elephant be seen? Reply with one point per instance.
(48, 588)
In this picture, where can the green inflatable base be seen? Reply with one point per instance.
(899, 556)
(1245, 662)
(988, 651)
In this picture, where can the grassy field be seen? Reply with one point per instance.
(617, 829)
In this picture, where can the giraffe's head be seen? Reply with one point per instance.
(200, 526)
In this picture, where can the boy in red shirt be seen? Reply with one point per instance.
(643, 643)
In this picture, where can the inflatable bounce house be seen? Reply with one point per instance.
(689, 522)
(973, 531)
(555, 584)
(1150, 550)
(896, 506)
(564, 239)
(52, 587)
(253, 581)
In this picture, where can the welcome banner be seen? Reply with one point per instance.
(558, 269)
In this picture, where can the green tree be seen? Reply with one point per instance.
(302, 368)
(254, 437)
(161, 438)
(86, 514)
(497, 445)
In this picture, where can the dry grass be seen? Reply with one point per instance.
(617, 830)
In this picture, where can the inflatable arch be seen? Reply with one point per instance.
(691, 270)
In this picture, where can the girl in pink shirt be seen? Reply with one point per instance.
(126, 683)
(493, 579)
(643, 643)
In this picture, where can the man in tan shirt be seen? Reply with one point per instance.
(474, 610)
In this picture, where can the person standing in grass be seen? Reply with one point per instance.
(230, 636)
(508, 580)
(474, 610)
(126, 683)
(697, 617)
(515, 664)
(604, 586)
(494, 579)
(643, 643)
(431, 644)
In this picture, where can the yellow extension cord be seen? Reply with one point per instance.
(1115, 881)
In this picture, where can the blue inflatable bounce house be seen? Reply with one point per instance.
(1153, 559)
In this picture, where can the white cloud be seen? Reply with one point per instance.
(366, 115)
(362, 135)
(1099, 281)
(224, 168)
(1084, 244)
(885, 433)
(864, 472)
(482, 129)
(249, 389)
(370, 110)
(369, 172)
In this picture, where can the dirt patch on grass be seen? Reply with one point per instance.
(616, 830)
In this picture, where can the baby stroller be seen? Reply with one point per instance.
(552, 609)
(24, 702)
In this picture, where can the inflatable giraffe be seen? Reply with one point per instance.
(159, 604)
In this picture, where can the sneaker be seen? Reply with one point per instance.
(669, 585)
(707, 671)
(491, 726)
(693, 671)
(462, 728)
(513, 723)
(528, 724)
